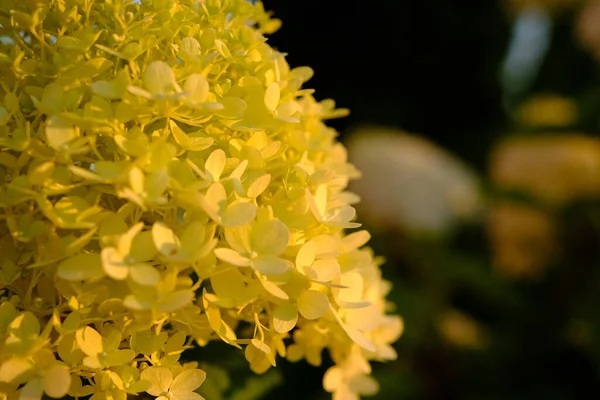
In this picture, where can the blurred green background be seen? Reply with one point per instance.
(488, 211)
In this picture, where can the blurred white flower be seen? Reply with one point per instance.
(422, 188)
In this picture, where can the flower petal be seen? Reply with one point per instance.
(160, 379)
(270, 237)
(187, 381)
(285, 317)
(313, 304)
(271, 265)
(232, 257)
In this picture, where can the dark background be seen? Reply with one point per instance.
(429, 67)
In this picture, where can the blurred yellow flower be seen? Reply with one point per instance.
(555, 169)
(523, 239)
(515, 6)
(547, 110)
(587, 29)
(460, 330)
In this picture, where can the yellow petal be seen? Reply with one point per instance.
(196, 87)
(355, 240)
(341, 218)
(274, 290)
(227, 334)
(323, 270)
(214, 317)
(24, 325)
(33, 390)
(270, 237)
(232, 257)
(144, 274)
(318, 202)
(192, 235)
(306, 255)
(258, 186)
(213, 201)
(233, 107)
(238, 214)
(259, 361)
(190, 46)
(93, 362)
(160, 379)
(359, 338)
(187, 381)
(228, 284)
(304, 73)
(81, 267)
(59, 132)
(354, 288)
(285, 317)
(119, 357)
(222, 48)
(272, 96)
(89, 340)
(354, 334)
(270, 265)
(125, 241)
(333, 378)
(14, 369)
(142, 247)
(57, 381)
(313, 304)
(262, 346)
(175, 300)
(159, 78)
(364, 385)
(164, 239)
(134, 302)
(113, 264)
(365, 319)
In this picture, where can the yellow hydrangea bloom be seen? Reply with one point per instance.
(164, 176)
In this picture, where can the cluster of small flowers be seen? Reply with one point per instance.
(165, 182)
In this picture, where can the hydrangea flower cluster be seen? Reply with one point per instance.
(166, 181)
